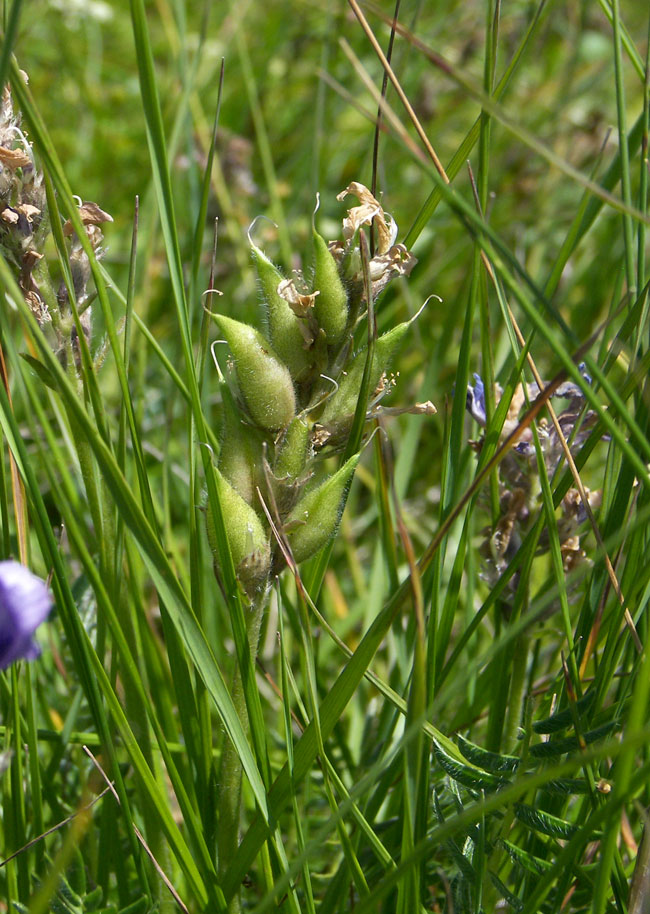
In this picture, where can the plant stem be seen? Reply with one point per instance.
(517, 686)
(230, 777)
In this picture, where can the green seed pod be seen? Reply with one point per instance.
(315, 518)
(248, 542)
(343, 402)
(284, 326)
(240, 454)
(331, 306)
(289, 472)
(264, 380)
(292, 454)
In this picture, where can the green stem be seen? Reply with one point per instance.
(517, 687)
(230, 778)
(87, 467)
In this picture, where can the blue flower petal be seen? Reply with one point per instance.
(24, 603)
(476, 400)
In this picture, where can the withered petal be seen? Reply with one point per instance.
(90, 214)
(9, 215)
(30, 258)
(363, 215)
(299, 303)
(14, 158)
(396, 261)
(29, 211)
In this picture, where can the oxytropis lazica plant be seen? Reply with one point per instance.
(290, 395)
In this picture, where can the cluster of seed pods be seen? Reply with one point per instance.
(290, 395)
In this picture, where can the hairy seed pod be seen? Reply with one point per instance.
(331, 306)
(289, 473)
(264, 380)
(343, 402)
(240, 454)
(283, 325)
(315, 518)
(248, 542)
(292, 453)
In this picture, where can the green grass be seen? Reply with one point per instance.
(451, 712)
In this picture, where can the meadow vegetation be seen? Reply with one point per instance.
(328, 432)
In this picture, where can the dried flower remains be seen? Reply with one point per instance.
(519, 485)
(24, 230)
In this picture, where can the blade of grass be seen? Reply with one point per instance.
(154, 556)
(626, 187)
(11, 19)
(497, 112)
(162, 183)
(75, 631)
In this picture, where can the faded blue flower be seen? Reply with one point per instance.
(476, 400)
(25, 602)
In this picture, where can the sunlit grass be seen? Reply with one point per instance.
(448, 709)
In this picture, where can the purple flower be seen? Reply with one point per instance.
(25, 602)
(476, 400)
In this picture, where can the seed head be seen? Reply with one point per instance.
(315, 518)
(247, 539)
(331, 306)
(287, 331)
(265, 382)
